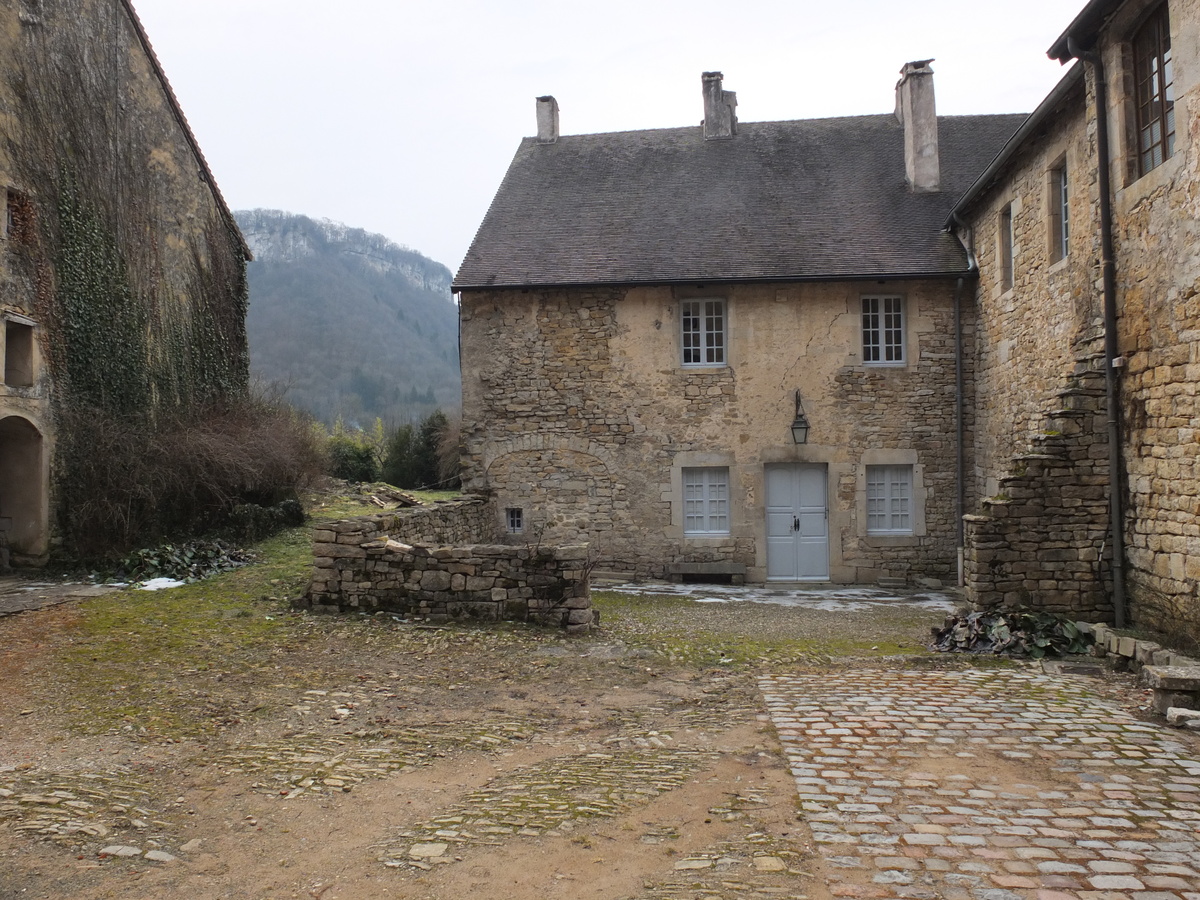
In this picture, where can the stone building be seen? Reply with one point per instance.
(121, 268)
(646, 315)
(1085, 229)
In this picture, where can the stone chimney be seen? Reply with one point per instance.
(916, 112)
(720, 122)
(547, 120)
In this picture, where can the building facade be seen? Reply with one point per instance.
(1085, 230)
(641, 310)
(121, 268)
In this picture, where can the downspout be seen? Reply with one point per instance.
(1092, 58)
(960, 486)
(960, 483)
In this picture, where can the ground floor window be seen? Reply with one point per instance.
(889, 499)
(706, 500)
(515, 520)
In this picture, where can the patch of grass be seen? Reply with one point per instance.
(147, 659)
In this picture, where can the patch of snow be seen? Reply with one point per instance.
(159, 584)
(836, 599)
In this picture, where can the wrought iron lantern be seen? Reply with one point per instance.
(800, 423)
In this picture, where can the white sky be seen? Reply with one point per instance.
(401, 117)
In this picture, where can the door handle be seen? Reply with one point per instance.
(795, 523)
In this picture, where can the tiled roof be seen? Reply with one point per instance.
(809, 199)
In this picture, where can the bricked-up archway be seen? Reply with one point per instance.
(22, 490)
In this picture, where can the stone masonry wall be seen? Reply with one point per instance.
(365, 564)
(1157, 233)
(581, 414)
(1041, 540)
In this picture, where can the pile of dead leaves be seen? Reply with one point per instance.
(1011, 633)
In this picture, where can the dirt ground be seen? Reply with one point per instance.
(253, 752)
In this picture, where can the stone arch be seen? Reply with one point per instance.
(548, 442)
(23, 491)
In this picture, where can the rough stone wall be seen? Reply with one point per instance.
(79, 95)
(1157, 233)
(367, 564)
(1032, 337)
(1039, 542)
(580, 413)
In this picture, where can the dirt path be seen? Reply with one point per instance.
(236, 750)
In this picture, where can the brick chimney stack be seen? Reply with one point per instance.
(720, 120)
(916, 111)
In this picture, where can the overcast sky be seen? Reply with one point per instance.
(401, 117)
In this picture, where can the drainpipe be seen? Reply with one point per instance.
(959, 531)
(1093, 60)
(960, 539)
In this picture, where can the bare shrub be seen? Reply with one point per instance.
(124, 480)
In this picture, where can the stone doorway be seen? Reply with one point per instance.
(23, 500)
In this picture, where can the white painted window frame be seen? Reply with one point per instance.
(703, 332)
(890, 500)
(884, 330)
(705, 500)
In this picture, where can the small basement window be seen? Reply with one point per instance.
(514, 518)
(18, 354)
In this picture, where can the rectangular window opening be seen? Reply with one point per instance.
(1154, 90)
(706, 500)
(1006, 248)
(514, 518)
(18, 354)
(703, 323)
(889, 500)
(883, 331)
(1060, 217)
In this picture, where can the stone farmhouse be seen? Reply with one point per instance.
(117, 251)
(740, 350)
(640, 312)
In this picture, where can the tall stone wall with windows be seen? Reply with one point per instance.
(580, 412)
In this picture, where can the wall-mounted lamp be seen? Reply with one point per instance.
(800, 423)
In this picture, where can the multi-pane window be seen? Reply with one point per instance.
(889, 499)
(883, 330)
(1155, 91)
(703, 332)
(514, 520)
(1060, 220)
(706, 500)
(1006, 248)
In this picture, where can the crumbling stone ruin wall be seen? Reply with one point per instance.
(432, 562)
(1040, 541)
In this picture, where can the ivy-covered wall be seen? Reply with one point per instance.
(119, 245)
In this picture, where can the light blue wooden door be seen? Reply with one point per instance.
(797, 523)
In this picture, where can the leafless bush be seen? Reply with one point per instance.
(123, 481)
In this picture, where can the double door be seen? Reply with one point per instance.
(797, 522)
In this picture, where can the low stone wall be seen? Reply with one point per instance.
(434, 562)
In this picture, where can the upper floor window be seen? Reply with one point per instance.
(1006, 248)
(1155, 91)
(706, 500)
(883, 331)
(889, 499)
(18, 353)
(703, 332)
(1060, 219)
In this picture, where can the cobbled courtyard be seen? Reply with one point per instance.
(208, 743)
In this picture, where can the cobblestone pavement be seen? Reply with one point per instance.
(988, 785)
(18, 594)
